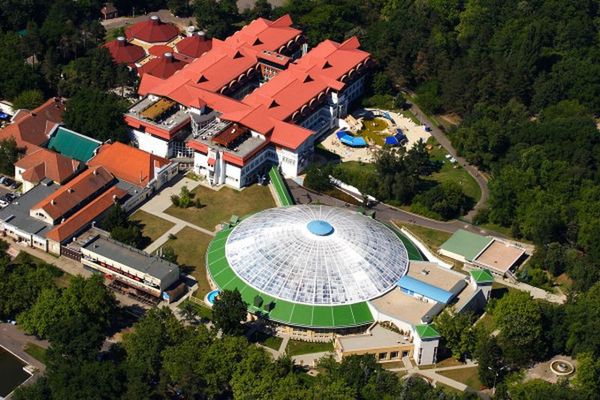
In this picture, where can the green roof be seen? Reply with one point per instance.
(413, 252)
(73, 145)
(427, 331)
(286, 312)
(280, 187)
(482, 276)
(466, 244)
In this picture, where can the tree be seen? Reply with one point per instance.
(168, 253)
(489, 356)
(179, 8)
(9, 154)
(582, 316)
(218, 18)
(115, 217)
(458, 332)
(228, 311)
(97, 114)
(28, 99)
(518, 317)
(188, 311)
(317, 178)
(587, 379)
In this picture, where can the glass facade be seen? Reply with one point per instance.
(274, 251)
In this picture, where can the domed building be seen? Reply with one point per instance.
(319, 270)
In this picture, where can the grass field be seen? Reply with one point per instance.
(219, 206)
(448, 172)
(202, 311)
(35, 351)
(431, 237)
(152, 226)
(298, 347)
(265, 339)
(468, 376)
(190, 246)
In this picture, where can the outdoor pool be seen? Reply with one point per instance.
(212, 296)
(11, 371)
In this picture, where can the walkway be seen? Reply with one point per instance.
(535, 292)
(433, 376)
(385, 212)
(157, 206)
(472, 170)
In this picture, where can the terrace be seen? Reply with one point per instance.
(163, 113)
(228, 137)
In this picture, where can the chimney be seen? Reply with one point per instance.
(70, 190)
(121, 41)
(169, 56)
(202, 34)
(155, 20)
(95, 172)
(190, 30)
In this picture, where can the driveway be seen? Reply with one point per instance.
(472, 170)
(384, 212)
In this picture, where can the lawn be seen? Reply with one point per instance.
(431, 237)
(299, 347)
(152, 226)
(265, 339)
(469, 376)
(190, 246)
(202, 311)
(35, 351)
(410, 115)
(375, 130)
(452, 172)
(219, 206)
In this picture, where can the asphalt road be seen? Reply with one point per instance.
(472, 170)
(383, 212)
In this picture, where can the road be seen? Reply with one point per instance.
(384, 212)
(472, 170)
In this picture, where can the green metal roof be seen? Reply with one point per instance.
(296, 314)
(282, 191)
(427, 331)
(466, 244)
(73, 145)
(482, 276)
(413, 252)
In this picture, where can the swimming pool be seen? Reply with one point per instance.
(212, 296)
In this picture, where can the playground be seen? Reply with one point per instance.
(364, 132)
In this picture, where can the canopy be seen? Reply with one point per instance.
(349, 140)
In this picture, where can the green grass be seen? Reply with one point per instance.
(190, 246)
(374, 130)
(433, 238)
(298, 347)
(446, 388)
(152, 226)
(503, 230)
(35, 351)
(270, 341)
(452, 172)
(201, 310)
(219, 206)
(469, 376)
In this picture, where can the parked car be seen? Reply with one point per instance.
(8, 181)
(11, 196)
(2, 179)
(4, 202)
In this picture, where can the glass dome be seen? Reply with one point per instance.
(316, 255)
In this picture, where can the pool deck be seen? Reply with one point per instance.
(14, 340)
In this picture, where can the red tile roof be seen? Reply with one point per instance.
(31, 128)
(159, 49)
(75, 192)
(162, 67)
(194, 46)
(124, 52)
(43, 163)
(262, 34)
(128, 163)
(153, 30)
(86, 215)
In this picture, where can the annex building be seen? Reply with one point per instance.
(255, 99)
(316, 271)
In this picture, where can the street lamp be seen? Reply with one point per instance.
(496, 377)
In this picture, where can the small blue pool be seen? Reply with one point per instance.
(212, 296)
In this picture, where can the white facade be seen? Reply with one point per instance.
(425, 352)
(151, 144)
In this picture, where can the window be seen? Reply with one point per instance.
(382, 356)
(405, 353)
(393, 355)
(420, 355)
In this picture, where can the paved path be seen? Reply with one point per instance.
(472, 170)
(536, 293)
(310, 359)
(15, 340)
(69, 266)
(160, 202)
(385, 212)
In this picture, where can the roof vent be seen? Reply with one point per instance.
(238, 54)
(257, 41)
(425, 272)
(155, 19)
(121, 41)
(308, 79)
(53, 202)
(95, 172)
(70, 190)
(202, 34)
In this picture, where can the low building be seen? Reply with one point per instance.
(134, 268)
(72, 144)
(152, 31)
(109, 11)
(17, 223)
(383, 343)
(141, 173)
(43, 164)
(500, 257)
(32, 128)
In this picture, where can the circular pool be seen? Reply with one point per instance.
(210, 297)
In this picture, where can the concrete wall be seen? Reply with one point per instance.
(425, 351)
(150, 143)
